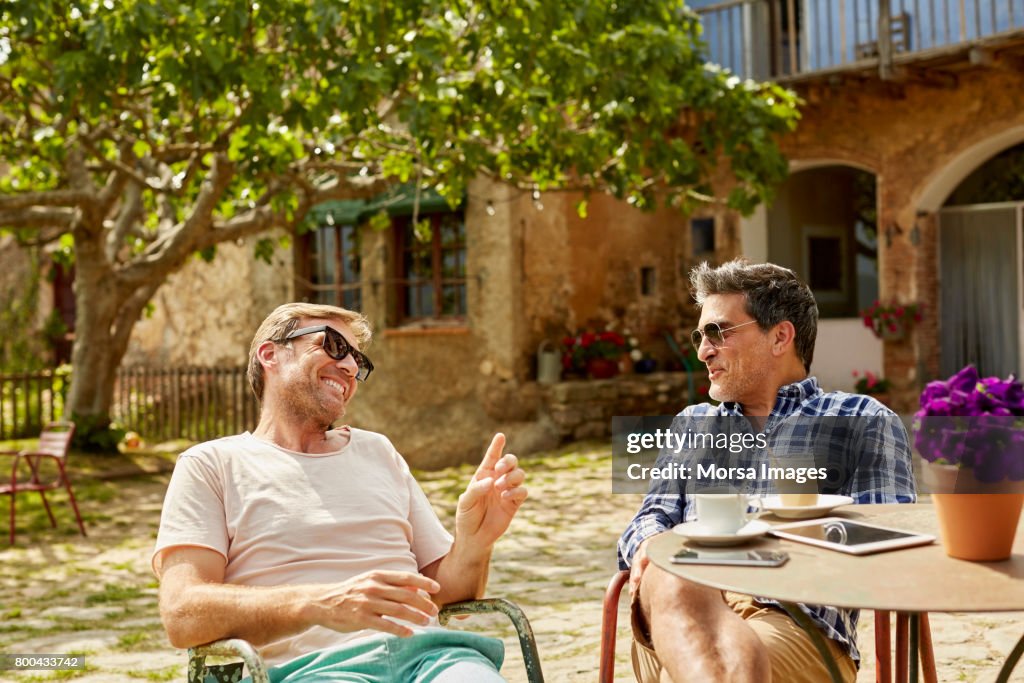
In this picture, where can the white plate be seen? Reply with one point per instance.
(694, 532)
(826, 504)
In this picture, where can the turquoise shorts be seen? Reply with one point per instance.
(433, 655)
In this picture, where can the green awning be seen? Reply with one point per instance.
(398, 201)
(338, 212)
(401, 200)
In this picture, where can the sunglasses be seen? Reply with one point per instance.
(337, 347)
(715, 334)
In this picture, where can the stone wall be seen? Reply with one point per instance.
(206, 313)
(583, 409)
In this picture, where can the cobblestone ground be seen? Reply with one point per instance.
(60, 593)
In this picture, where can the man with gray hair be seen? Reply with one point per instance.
(315, 543)
(756, 336)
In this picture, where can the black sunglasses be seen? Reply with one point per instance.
(715, 334)
(337, 347)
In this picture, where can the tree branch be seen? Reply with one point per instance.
(129, 216)
(38, 217)
(46, 199)
(169, 251)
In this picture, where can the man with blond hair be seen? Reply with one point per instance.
(315, 543)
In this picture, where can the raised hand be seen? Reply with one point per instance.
(492, 497)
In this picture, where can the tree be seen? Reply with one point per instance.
(142, 132)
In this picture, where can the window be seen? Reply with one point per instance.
(431, 269)
(647, 279)
(702, 235)
(332, 265)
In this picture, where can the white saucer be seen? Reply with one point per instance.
(694, 532)
(826, 504)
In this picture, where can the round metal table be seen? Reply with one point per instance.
(913, 580)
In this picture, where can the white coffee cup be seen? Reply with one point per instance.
(726, 513)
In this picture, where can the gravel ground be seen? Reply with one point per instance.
(61, 593)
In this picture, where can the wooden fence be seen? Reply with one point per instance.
(160, 403)
(28, 400)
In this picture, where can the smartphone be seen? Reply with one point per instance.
(743, 558)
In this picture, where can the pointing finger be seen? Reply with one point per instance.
(491, 456)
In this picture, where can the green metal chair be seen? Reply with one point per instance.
(199, 672)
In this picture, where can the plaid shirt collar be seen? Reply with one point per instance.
(787, 401)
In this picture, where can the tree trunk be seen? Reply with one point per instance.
(107, 312)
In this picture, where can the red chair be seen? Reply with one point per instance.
(54, 443)
(883, 655)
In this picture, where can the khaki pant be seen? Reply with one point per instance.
(792, 653)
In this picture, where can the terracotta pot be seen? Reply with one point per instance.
(978, 526)
(602, 368)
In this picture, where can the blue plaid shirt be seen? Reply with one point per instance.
(883, 474)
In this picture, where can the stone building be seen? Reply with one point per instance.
(459, 318)
(905, 187)
(907, 173)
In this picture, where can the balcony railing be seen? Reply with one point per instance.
(784, 39)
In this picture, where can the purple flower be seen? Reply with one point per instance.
(973, 422)
(965, 380)
(934, 390)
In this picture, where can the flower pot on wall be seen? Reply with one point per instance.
(978, 526)
(896, 332)
(602, 368)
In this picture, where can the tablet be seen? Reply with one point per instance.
(849, 536)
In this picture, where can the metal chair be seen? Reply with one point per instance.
(54, 443)
(199, 672)
(883, 653)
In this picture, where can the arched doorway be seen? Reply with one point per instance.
(822, 225)
(981, 228)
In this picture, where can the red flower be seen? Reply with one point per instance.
(587, 339)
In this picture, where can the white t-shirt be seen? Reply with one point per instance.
(280, 517)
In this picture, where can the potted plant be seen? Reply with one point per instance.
(891, 321)
(595, 353)
(970, 434)
(872, 385)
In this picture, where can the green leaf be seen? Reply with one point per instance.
(263, 250)
(207, 254)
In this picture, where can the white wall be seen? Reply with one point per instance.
(754, 235)
(844, 345)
